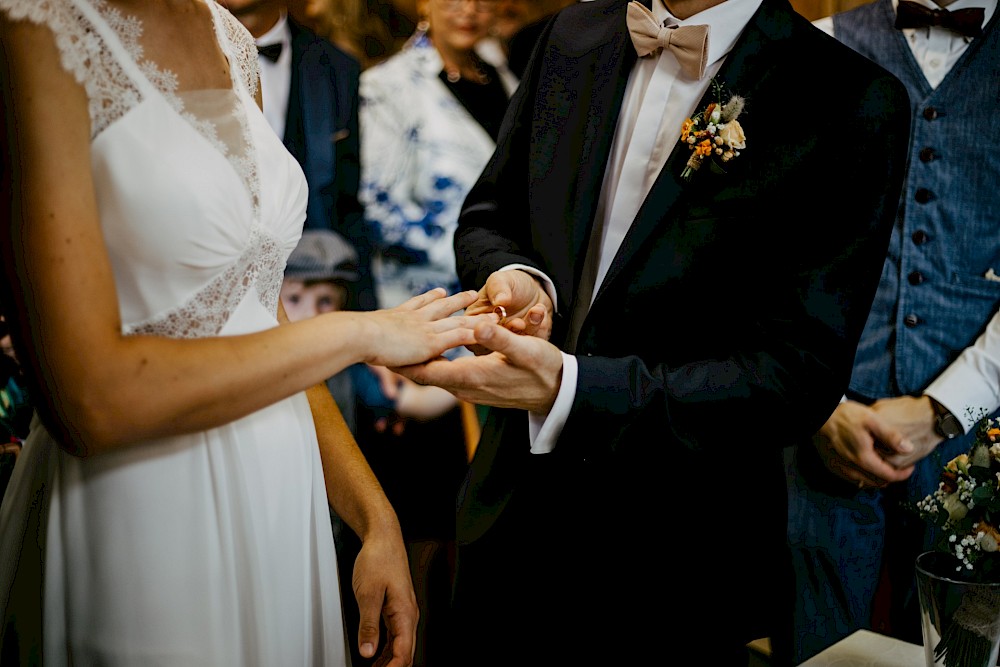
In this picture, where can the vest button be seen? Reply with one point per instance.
(930, 113)
(920, 237)
(923, 195)
(927, 154)
(915, 278)
(911, 320)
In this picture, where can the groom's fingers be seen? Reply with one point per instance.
(499, 339)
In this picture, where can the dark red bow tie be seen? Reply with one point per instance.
(968, 22)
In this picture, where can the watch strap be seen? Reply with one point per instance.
(946, 424)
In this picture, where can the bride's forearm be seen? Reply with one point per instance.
(124, 391)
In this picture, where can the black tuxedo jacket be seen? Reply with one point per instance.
(321, 131)
(724, 330)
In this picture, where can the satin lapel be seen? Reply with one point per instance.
(755, 57)
(572, 156)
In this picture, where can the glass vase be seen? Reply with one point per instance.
(960, 619)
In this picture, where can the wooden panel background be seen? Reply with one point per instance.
(815, 9)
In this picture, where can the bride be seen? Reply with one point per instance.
(170, 505)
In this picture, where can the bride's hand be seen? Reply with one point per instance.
(420, 328)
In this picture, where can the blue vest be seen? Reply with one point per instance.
(934, 298)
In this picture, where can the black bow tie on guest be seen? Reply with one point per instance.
(968, 22)
(270, 51)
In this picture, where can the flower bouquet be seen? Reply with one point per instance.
(960, 583)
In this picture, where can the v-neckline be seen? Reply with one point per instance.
(246, 169)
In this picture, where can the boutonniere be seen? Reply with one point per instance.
(714, 133)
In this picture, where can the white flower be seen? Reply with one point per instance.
(956, 508)
(732, 134)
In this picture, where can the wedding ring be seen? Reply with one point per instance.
(501, 312)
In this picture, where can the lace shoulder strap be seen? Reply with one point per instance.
(241, 47)
(110, 92)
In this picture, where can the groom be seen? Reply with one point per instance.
(626, 504)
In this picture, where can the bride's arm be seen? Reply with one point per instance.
(100, 390)
(381, 580)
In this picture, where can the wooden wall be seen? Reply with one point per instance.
(814, 9)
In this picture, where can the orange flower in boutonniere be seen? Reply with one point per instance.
(714, 132)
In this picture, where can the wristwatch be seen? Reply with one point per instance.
(945, 424)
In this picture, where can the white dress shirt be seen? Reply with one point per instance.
(973, 379)
(276, 77)
(658, 98)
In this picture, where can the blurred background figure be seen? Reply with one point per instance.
(429, 117)
(320, 273)
(15, 407)
(370, 30)
(310, 92)
(518, 25)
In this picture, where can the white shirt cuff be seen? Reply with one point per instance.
(544, 430)
(971, 384)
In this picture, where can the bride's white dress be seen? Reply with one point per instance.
(206, 549)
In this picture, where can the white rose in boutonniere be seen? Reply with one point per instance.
(731, 134)
(714, 132)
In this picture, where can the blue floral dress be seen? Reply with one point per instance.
(421, 152)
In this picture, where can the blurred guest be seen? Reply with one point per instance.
(370, 30)
(929, 360)
(15, 407)
(310, 91)
(518, 26)
(318, 278)
(429, 120)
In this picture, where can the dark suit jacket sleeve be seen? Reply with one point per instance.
(736, 319)
(349, 211)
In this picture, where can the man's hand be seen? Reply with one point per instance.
(526, 306)
(383, 587)
(516, 372)
(914, 417)
(854, 442)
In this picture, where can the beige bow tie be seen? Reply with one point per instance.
(689, 43)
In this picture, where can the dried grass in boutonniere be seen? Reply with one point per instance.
(714, 132)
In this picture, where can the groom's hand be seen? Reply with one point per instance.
(520, 300)
(517, 371)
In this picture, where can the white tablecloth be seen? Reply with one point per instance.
(869, 649)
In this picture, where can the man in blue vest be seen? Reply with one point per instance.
(928, 362)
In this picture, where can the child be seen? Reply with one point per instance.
(319, 273)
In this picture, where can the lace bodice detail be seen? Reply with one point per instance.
(186, 247)
(110, 91)
(244, 49)
(262, 265)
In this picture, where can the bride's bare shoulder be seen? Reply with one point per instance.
(33, 69)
